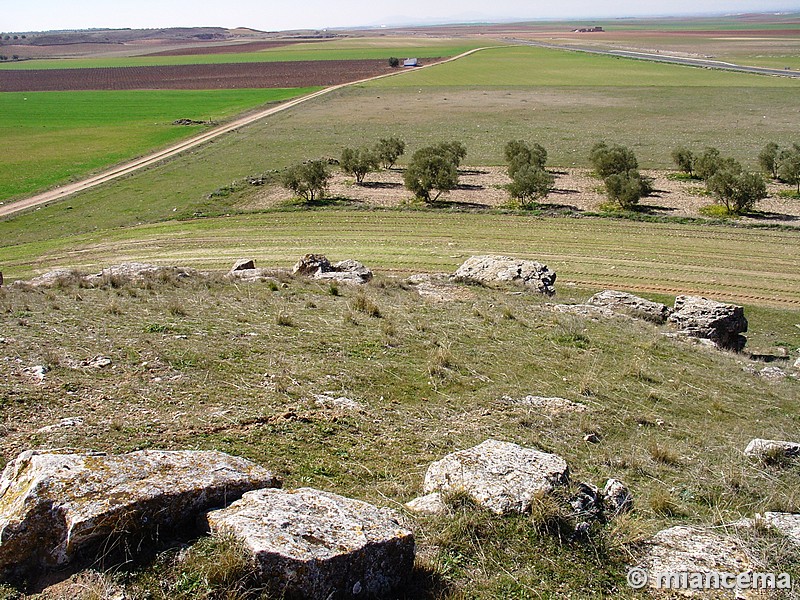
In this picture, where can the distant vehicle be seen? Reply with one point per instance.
(410, 62)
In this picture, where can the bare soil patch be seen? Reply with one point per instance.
(195, 77)
(576, 190)
(231, 48)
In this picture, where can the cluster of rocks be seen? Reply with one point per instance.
(720, 324)
(60, 509)
(318, 266)
(507, 478)
(133, 271)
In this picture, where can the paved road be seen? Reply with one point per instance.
(64, 191)
(678, 60)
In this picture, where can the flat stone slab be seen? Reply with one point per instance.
(631, 305)
(55, 506)
(431, 504)
(317, 545)
(550, 405)
(692, 550)
(504, 269)
(500, 476)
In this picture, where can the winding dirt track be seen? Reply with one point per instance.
(64, 191)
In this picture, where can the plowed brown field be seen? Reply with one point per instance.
(230, 48)
(195, 77)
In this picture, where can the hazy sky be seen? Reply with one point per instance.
(38, 15)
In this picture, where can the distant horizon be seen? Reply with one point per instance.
(315, 15)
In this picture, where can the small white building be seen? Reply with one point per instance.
(410, 62)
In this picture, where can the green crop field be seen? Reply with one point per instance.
(358, 49)
(537, 67)
(567, 118)
(591, 252)
(53, 137)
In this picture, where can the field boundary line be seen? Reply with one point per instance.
(64, 191)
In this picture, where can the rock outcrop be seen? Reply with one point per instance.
(345, 271)
(631, 305)
(317, 545)
(489, 270)
(56, 507)
(500, 476)
(721, 323)
(772, 449)
(617, 498)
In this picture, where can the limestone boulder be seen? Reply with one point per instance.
(51, 278)
(693, 550)
(136, 271)
(430, 504)
(310, 264)
(243, 264)
(786, 523)
(490, 270)
(316, 545)
(721, 323)
(766, 449)
(500, 476)
(631, 305)
(55, 508)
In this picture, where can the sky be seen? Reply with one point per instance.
(272, 15)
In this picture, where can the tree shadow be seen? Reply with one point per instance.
(472, 172)
(771, 216)
(469, 186)
(652, 209)
(382, 185)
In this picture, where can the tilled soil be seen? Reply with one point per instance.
(195, 77)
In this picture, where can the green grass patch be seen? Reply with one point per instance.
(54, 137)
(672, 418)
(615, 253)
(528, 66)
(336, 50)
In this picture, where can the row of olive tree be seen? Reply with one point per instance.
(732, 185)
(781, 164)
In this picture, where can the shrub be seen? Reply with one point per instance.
(684, 160)
(388, 150)
(394, 61)
(308, 180)
(768, 159)
(612, 160)
(358, 162)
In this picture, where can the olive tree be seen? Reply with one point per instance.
(735, 188)
(358, 162)
(388, 150)
(308, 180)
(789, 166)
(434, 168)
(609, 160)
(684, 160)
(519, 154)
(768, 159)
(529, 183)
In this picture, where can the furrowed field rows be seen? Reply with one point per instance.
(630, 255)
